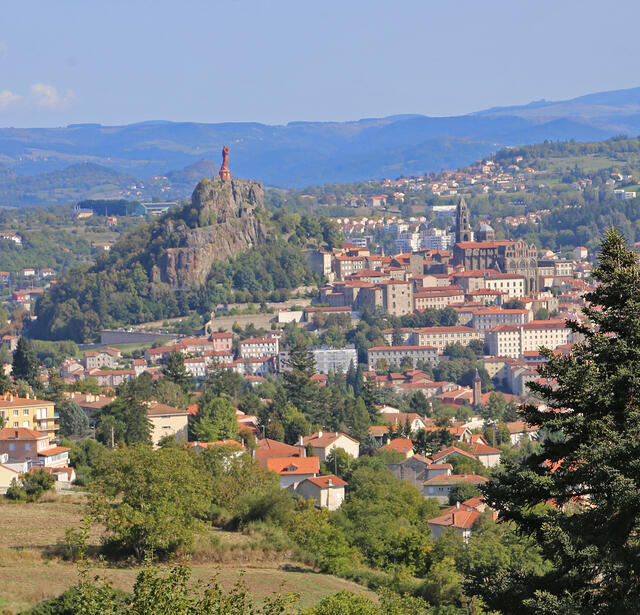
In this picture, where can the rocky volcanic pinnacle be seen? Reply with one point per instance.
(226, 225)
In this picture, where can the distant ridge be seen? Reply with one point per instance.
(311, 153)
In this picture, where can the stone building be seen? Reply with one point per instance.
(503, 255)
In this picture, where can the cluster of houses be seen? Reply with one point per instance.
(483, 177)
(27, 442)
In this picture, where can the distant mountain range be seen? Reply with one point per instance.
(297, 155)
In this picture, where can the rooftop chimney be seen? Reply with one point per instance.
(458, 505)
(320, 434)
(330, 482)
(27, 395)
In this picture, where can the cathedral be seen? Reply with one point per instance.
(483, 251)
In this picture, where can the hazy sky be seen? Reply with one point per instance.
(275, 61)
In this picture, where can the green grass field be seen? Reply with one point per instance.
(29, 572)
(591, 162)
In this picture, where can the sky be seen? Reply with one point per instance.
(277, 61)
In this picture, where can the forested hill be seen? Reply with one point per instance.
(222, 246)
(306, 153)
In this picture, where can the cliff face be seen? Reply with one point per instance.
(226, 225)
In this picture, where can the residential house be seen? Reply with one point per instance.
(452, 451)
(488, 456)
(222, 340)
(326, 491)
(400, 445)
(33, 447)
(403, 419)
(412, 470)
(439, 486)
(323, 443)
(7, 475)
(105, 357)
(293, 470)
(460, 518)
(111, 378)
(166, 421)
(268, 448)
(520, 431)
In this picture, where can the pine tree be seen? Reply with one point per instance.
(5, 383)
(370, 395)
(136, 419)
(73, 420)
(25, 362)
(302, 392)
(580, 496)
(175, 371)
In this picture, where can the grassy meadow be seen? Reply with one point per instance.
(32, 568)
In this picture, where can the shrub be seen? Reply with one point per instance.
(30, 486)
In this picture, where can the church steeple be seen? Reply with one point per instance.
(477, 390)
(463, 228)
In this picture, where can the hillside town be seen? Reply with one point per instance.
(501, 298)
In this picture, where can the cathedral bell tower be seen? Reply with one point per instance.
(463, 228)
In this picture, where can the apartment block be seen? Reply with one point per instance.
(394, 355)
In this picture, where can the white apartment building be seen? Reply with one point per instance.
(408, 242)
(335, 359)
(511, 284)
(437, 299)
(436, 239)
(441, 337)
(488, 318)
(513, 341)
(196, 367)
(258, 347)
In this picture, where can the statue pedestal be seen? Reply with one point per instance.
(225, 175)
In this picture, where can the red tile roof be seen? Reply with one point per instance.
(478, 448)
(20, 433)
(402, 445)
(452, 450)
(53, 451)
(268, 448)
(294, 465)
(323, 481)
(461, 519)
(325, 439)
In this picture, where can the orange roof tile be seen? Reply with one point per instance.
(323, 481)
(20, 433)
(294, 465)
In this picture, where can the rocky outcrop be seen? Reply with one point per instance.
(222, 222)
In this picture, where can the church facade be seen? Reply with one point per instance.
(506, 256)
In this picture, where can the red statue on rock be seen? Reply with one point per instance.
(225, 174)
